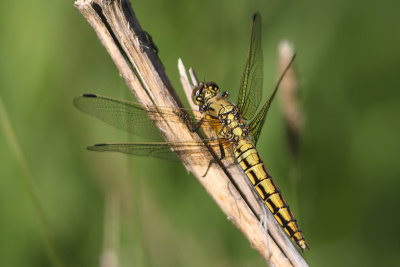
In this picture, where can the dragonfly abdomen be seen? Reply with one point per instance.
(251, 163)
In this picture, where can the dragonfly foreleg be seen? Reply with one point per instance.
(222, 156)
(148, 42)
(193, 128)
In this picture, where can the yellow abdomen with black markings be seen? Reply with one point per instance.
(233, 128)
(251, 163)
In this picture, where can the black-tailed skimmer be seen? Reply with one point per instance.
(233, 135)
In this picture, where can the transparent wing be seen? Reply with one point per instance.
(250, 91)
(132, 117)
(167, 151)
(158, 150)
(257, 123)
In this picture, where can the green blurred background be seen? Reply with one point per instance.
(344, 192)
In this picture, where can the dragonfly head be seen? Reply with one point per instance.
(204, 91)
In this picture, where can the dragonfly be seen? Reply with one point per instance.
(236, 128)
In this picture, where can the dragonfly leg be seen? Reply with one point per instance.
(150, 43)
(221, 149)
(195, 127)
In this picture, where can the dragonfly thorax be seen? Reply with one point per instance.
(234, 127)
(215, 104)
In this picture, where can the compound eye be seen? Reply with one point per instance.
(212, 86)
(197, 94)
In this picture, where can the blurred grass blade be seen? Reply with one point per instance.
(27, 177)
(111, 242)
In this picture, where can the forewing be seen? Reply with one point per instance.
(250, 91)
(132, 117)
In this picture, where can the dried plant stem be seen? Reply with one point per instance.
(289, 97)
(109, 256)
(120, 33)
